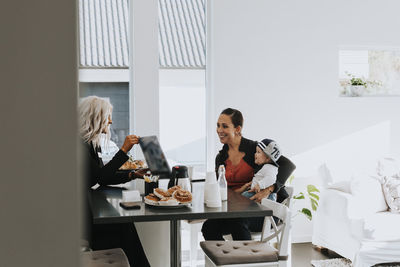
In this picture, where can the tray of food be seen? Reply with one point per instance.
(174, 197)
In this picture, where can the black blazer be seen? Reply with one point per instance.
(98, 173)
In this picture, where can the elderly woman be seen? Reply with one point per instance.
(95, 119)
(237, 155)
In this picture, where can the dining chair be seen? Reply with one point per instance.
(286, 202)
(254, 253)
(104, 258)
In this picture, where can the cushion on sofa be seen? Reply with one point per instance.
(388, 167)
(368, 194)
(343, 186)
(382, 226)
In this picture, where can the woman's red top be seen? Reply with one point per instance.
(238, 175)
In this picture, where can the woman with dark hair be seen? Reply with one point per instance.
(94, 121)
(237, 155)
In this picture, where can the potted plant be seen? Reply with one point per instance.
(358, 86)
(311, 194)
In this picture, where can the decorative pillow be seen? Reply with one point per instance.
(331, 174)
(391, 191)
(367, 193)
(389, 167)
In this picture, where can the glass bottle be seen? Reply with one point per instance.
(223, 185)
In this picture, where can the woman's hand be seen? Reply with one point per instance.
(130, 140)
(262, 194)
(141, 172)
(138, 173)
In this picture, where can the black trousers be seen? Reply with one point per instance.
(239, 228)
(124, 235)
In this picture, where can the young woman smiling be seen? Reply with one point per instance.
(237, 155)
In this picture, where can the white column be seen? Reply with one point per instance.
(144, 108)
(211, 143)
(144, 67)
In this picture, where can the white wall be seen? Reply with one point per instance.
(277, 62)
(38, 159)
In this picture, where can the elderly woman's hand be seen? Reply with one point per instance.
(262, 194)
(138, 173)
(130, 140)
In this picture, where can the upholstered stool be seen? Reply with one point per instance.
(104, 258)
(239, 252)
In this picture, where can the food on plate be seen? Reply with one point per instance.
(161, 193)
(168, 201)
(140, 163)
(128, 165)
(173, 189)
(132, 164)
(183, 196)
(163, 197)
(151, 199)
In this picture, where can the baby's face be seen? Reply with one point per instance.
(260, 157)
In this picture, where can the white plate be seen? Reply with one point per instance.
(180, 205)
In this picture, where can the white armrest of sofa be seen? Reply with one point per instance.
(338, 204)
(332, 223)
(345, 207)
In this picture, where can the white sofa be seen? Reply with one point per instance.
(353, 219)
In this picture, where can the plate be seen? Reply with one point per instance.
(180, 205)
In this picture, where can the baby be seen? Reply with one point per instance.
(267, 153)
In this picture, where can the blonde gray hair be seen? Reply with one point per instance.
(93, 112)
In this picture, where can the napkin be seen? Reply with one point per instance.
(131, 196)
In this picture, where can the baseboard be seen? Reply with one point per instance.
(301, 239)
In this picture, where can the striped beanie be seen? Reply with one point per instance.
(271, 149)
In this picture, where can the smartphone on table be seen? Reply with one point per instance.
(130, 205)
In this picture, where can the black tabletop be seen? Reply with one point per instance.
(105, 208)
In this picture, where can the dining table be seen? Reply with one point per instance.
(104, 202)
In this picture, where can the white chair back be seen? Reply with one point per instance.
(267, 223)
(281, 231)
(289, 190)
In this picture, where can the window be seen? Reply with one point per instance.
(182, 83)
(104, 59)
(369, 72)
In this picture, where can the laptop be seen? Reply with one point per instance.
(155, 158)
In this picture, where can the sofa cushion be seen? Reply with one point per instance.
(368, 194)
(343, 186)
(388, 167)
(382, 226)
